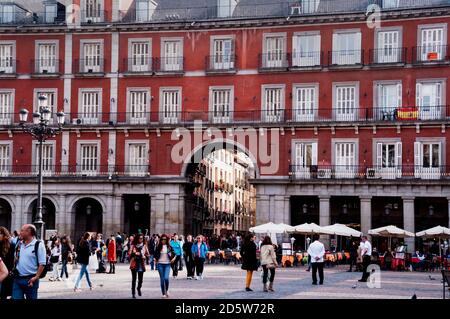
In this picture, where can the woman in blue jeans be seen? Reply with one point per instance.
(164, 257)
(83, 253)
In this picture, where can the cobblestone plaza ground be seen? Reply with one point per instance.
(227, 282)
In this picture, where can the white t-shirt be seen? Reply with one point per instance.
(316, 249)
(368, 247)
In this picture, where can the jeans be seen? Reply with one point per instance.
(199, 263)
(83, 271)
(175, 266)
(164, 274)
(64, 268)
(315, 267)
(152, 262)
(21, 289)
(55, 274)
(266, 274)
(190, 266)
(140, 278)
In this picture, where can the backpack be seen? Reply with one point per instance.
(47, 264)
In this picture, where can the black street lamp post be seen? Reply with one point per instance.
(41, 130)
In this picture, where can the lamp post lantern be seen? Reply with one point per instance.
(41, 130)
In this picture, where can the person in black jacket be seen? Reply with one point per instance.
(353, 256)
(66, 253)
(189, 259)
(83, 254)
(7, 248)
(249, 260)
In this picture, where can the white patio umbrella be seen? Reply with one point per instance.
(309, 229)
(269, 228)
(343, 231)
(438, 231)
(390, 231)
(287, 228)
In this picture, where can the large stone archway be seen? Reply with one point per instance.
(5, 214)
(88, 213)
(48, 212)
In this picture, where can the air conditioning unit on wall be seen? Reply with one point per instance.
(372, 173)
(323, 173)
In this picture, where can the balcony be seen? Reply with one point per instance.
(93, 67)
(8, 67)
(306, 60)
(169, 65)
(430, 55)
(45, 67)
(388, 57)
(141, 65)
(218, 64)
(346, 59)
(273, 62)
(363, 172)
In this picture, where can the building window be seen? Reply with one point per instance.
(429, 96)
(388, 47)
(7, 62)
(225, 8)
(222, 54)
(389, 100)
(345, 102)
(345, 160)
(274, 53)
(50, 13)
(92, 58)
(346, 48)
(89, 157)
(46, 58)
(6, 107)
(306, 50)
(7, 14)
(427, 159)
(141, 56)
(50, 102)
(273, 104)
(305, 159)
(93, 11)
(5, 159)
(145, 10)
(306, 99)
(221, 105)
(390, 4)
(172, 55)
(90, 106)
(389, 159)
(170, 100)
(432, 43)
(48, 159)
(138, 106)
(137, 159)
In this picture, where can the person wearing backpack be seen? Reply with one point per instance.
(30, 264)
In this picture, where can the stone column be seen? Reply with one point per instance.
(366, 214)
(262, 209)
(61, 224)
(279, 213)
(408, 221)
(324, 217)
(17, 214)
(158, 210)
(117, 216)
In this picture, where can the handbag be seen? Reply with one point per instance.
(270, 266)
(54, 259)
(93, 262)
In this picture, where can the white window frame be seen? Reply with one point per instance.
(12, 18)
(387, 172)
(99, 18)
(337, 113)
(342, 56)
(81, 143)
(5, 67)
(386, 112)
(390, 4)
(267, 61)
(300, 169)
(389, 55)
(90, 120)
(308, 58)
(422, 54)
(53, 108)
(431, 112)
(6, 118)
(273, 116)
(137, 171)
(50, 16)
(222, 63)
(221, 119)
(145, 118)
(144, 16)
(140, 67)
(301, 114)
(178, 65)
(46, 65)
(225, 11)
(428, 172)
(171, 119)
(348, 170)
(84, 67)
(5, 166)
(34, 152)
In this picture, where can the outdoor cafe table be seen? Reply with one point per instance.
(285, 259)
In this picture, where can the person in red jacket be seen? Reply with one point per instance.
(112, 257)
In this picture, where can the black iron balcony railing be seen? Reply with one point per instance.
(8, 66)
(138, 64)
(88, 171)
(169, 64)
(306, 59)
(276, 61)
(94, 65)
(345, 58)
(388, 56)
(221, 63)
(325, 171)
(46, 66)
(430, 54)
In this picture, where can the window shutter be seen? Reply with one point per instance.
(314, 153)
(398, 154)
(417, 154)
(418, 94)
(399, 95)
(379, 155)
(358, 49)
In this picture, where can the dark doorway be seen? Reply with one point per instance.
(48, 213)
(345, 210)
(304, 209)
(137, 213)
(88, 217)
(386, 211)
(5, 214)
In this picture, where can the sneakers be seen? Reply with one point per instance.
(76, 290)
(248, 289)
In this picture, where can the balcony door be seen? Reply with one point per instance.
(429, 100)
(427, 160)
(306, 50)
(137, 159)
(6, 58)
(389, 96)
(305, 104)
(345, 103)
(221, 105)
(172, 60)
(346, 48)
(223, 54)
(140, 57)
(305, 158)
(432, 45)
(92, 58)
(47, 60)
(389, 160)
(273, 105)
(345, 160)
(274, 52)
(388, 50)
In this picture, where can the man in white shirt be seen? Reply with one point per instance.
(316, 250)
(366, 253)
